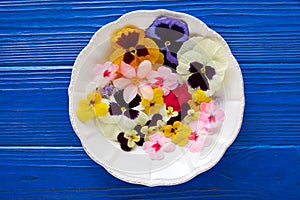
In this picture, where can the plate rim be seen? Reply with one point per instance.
(139, 180)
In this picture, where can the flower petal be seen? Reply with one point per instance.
(84, 111)
(169, 147)
(121, 83)
(146, 91)
(101, 109)
(144, 69)
(159, 155)
(130, 92)
(131, 114)
(130, 143)
(114, 109)
(127, 70)
(117, 56)
(135, 102)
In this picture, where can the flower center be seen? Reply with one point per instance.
(212, 119)
(123, 108)
(194, 136)
(156, 146)
(132, 50)
(167, 43)
(159, 82)
(202, 70)
(92, 102)
(106, 73)
(131, 137)
(152, 104)
(135, 80)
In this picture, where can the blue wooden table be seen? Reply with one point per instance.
(40, 155)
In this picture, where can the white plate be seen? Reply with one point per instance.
(134, 167)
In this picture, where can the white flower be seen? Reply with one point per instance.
(202, 62)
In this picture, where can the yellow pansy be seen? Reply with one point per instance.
(169, 113)
(132, 47)
(178, 132)
(153, 106)
(91, 107)
(132, 138)
(197, 98)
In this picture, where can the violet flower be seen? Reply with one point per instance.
(107, 91)
(169, 34)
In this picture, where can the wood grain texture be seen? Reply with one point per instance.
(40, 155)
(69, 173)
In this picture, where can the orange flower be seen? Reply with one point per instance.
(132, 47)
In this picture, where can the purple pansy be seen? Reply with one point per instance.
(169, 34)
(107, 91)
(120, 107)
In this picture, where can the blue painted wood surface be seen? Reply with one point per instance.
(40, 155)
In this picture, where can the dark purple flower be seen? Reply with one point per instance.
(169, 34)
(121, 107)
(123, 142)
(200, 75)
(128, 140)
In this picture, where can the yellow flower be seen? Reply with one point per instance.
(178, 132)
(148, 131)
(192, 115)
(132, 47)
(153, 106)
(132, 138)
(90, 107)
(197, 98)
(169, 113)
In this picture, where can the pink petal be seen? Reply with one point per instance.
(101, 81)
(114, 68)
(151, 77)
(127, 70)
(147, 147)
(165, 140)
(203, 117)
(130, 92)
(211, 107)
(146, 91)
(157, 156)
(194, 125)
(203, 106)
(144, 69)
(121, 83)
(169, 147)
(155, 137)
(219, 114)
(164, 71)
(199, 127)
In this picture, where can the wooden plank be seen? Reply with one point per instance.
(69, 173)
(56, 37)
(40, 155)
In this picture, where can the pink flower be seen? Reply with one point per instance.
(164, 78)
(198, 137)
(182, 93)
(135, 81)
(157, 145)
(105, 73)
(212, 116)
